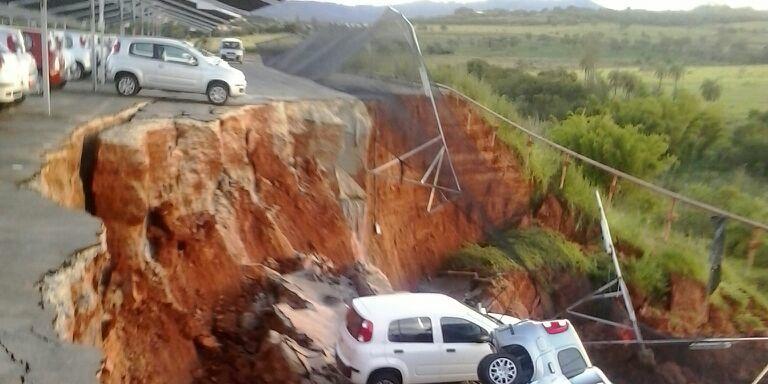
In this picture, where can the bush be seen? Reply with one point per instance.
(486, 261)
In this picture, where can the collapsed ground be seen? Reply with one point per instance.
(231, 241)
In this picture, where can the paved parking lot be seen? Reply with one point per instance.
(37, 235)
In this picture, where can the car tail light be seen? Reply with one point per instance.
(360, 328)
(82, 41)
(11, 44)
(116, 47)
(556, 327)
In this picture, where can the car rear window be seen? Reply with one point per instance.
(354, 322)
(411, 330)
(230, 45)
(142, 49)
(571, 362)
(457, 330)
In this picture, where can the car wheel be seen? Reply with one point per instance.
(218, 92)
(78, 71)
(384, 377)
(500, 368)
(126, 84)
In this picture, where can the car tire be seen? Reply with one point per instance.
(500, 368)
(126, 84)
(59, 85)
(384, 377)
(217, 92)
(78, 72)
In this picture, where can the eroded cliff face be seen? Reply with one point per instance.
(194, 211)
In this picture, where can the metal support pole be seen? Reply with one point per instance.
(44, 54)
(102, 25)
(761, 375)
(94, 58)
(122, 22)
(141, 14)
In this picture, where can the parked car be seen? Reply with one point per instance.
(33, 43)
(171, 65)
(66, 55)
(11, 88)
(409, 338)
(538, 352)
(78, 46)
(231, 50)
(14, 42)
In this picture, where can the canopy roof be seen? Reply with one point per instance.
(200, 14)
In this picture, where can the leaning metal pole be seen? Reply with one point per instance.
(44, 51)
(762, 374)
(428, 90)
(605, 291)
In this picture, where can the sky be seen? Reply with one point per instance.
(656, 5)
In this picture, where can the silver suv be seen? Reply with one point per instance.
(537, 352)
(171, 65)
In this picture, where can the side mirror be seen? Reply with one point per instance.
(483, 338)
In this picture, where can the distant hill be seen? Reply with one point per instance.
(337, 13)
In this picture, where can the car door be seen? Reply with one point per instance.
(412, 343)
(179, 69)
(463, 345)
(141, 56)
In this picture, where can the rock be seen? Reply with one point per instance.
(369, 280)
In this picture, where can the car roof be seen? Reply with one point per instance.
(147, 39)
(404, 305)
(231, 39)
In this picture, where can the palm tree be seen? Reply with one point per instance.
(660, 73)
(588, 63)
(614, 80)
(710, 90)
(676, 71)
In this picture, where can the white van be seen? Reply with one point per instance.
(231, 50)
(11, 88)
(14, 42)
(409, 338)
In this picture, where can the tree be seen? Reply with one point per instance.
(710, 90)
(750, 144)
(676, 71)
(588, 63)
(623, 147)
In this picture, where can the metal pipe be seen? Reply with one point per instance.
(122, 23)
(761, 375)
(44, 54)
(94, 59)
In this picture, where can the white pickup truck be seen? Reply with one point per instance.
(536, 352)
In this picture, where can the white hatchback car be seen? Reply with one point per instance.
(171, 65)
(408, 338)
(232, 50)
(14, 42)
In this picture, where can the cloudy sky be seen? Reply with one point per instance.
(615, 4)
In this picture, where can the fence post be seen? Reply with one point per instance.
(754, 243)
(612, 188)
(566, 161)
(671, 217)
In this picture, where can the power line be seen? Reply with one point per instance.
(653, 187)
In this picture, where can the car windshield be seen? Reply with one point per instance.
(487, 316)
(230, 45)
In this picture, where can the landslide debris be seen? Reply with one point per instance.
(231, 240)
